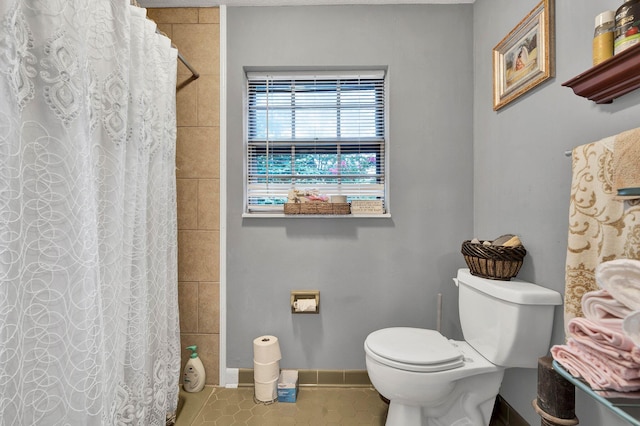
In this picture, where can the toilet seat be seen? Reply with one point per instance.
(413, 349)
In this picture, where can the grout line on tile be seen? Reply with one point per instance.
(198, 304)
(202, 407)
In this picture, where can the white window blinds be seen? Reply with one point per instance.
(314, 131)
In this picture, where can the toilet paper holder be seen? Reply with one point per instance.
(309, 301)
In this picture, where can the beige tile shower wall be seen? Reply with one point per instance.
(196, 34)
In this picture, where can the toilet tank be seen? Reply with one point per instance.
(507, 322)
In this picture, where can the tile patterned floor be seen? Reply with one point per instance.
(314, 406)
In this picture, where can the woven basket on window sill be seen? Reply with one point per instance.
(494, 262)
(317, 208)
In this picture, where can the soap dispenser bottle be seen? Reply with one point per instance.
(194, 374)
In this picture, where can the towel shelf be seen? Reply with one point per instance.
(627, 409)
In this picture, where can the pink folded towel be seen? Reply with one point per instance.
(597, 378)
(613, 344)
(621, 278)
(627, 370)
(600, 307)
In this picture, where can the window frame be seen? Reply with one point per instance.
(377, 145)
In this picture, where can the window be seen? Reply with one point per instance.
(314, 131)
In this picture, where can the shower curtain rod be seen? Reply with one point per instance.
(186, 64)
(180, 57)
(184, 61)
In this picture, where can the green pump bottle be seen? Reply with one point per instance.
(194, 374)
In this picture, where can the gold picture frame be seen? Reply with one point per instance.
(525, 57)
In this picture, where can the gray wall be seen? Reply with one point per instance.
(458, 170)
(371, 273)
(521, 176)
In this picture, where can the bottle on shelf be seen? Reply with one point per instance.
(627, 26)
(603, 36)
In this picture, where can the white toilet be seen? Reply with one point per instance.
(433, 381)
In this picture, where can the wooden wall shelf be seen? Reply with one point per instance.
(610, 79)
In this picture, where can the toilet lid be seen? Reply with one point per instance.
(414, 349)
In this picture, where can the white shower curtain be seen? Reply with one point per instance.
(89, 330)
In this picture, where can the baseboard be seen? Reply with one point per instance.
(231, 377)
(334, 378)
(505, 415)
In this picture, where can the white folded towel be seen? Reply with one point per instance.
(631, 327)
(600, 307)
(621, 278)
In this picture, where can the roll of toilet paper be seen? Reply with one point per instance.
(305, 305)
(266, 391)
(266, 372)
(266, 349)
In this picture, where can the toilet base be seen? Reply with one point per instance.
(403, 414)
(465, 411)
(461, 396)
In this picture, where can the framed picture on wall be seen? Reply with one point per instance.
(525, 57)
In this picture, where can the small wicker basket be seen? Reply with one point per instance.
(494, 262)
(317, 208)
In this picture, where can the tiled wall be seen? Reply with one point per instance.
(196, 33)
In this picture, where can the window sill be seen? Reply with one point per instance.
(314, 216)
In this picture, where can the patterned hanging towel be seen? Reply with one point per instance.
(626, 164)
(601, 226)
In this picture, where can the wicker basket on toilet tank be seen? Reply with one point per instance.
(494, 262)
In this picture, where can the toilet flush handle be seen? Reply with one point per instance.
(455, 281)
